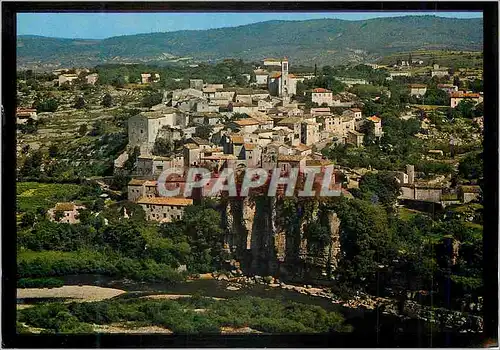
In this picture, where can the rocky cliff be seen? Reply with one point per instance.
(271, 236)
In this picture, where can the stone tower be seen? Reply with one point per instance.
(284, 78)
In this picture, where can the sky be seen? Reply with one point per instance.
(105, 25)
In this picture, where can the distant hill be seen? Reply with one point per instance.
(324, 41)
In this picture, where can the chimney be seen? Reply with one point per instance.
(410, 170)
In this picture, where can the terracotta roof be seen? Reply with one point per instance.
(418, 86)
(250, 146)
(374, 119)
(150, 183)
(136, 182)
(289, 120)
(321, 90)
(276, 75)
(246, 122)
(290, 158)
(190, 146)
(355, 109)
(464, 95)
(199, 141)
(470, 189)
(318, 162)
(220, 157)
(301, 147)
(238, 139)
(174, 201)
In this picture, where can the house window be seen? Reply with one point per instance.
(142, 131)
(164, 215)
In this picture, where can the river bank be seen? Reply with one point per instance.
(361, 310)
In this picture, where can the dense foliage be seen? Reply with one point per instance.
(179, 316)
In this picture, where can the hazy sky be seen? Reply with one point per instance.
(105, 25)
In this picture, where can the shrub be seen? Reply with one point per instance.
(39, 283)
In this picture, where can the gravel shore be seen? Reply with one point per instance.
(78, 293)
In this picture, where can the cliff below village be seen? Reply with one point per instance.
(271, 236)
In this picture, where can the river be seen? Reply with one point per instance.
(382, 329)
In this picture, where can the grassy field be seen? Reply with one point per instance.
(452, 59)
(31, 195)
(407, 214)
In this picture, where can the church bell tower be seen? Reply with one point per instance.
(284, 78)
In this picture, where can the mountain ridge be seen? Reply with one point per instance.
(311, 41)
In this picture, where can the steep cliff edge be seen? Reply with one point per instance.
(276, 236)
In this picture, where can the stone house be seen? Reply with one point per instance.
(418, 90)
(67, 78)
(203, 106)
(209, 92)
(23, 114)
(468, 194)
(92, 78)
(449, 88)
(287, 162)
(164, 209)
(69, 212)
(348, 124)
(261, 76)
(191, 154)
(302, 150)
(225, 95)
(439, 71)
(456, 97)
(320, 112)
(245, 125)
(309, 134)
(154, 165)
(251, 153)
(322, 96)
(421, 192)
(355, 138)
(285, 135)
(137, 188)
(241, 107)
(293, 123)
(144, 127)
(355, 113)
(378, 125)
(196, 84)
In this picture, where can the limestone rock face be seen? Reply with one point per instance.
(257, 235)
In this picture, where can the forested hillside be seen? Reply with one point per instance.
(312, 41)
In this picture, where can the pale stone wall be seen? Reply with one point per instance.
(165, 213)
(322, 97)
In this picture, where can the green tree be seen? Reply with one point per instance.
(47, 105)
(132, 158)
(471, 166)
(53, 150)
(32, 164)
(107, 101)
(152, 99)
(476, 85)
(125, 238)
(384, 185)
(82, 130)
(204, 131)
(79, 103)
(98, 128)
(162, 147)
(465, 108)
(28, 219)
